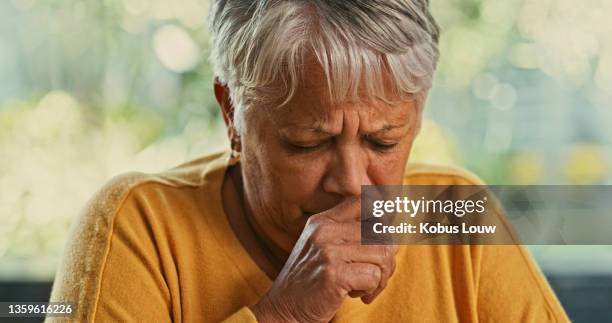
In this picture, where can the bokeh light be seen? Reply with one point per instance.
(89, 90)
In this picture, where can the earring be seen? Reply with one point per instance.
(234, 155)
(235, 146)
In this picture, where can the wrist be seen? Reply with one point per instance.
(267, 311)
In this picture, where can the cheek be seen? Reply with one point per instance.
(299, 177)
(389, 169)
(287, 180)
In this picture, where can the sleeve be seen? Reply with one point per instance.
(511, 288)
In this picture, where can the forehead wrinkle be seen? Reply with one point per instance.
(316, 128)
(376, 118)
(311, 109)
(305, 119)
(324, 123)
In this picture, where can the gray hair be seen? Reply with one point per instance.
(363, 46)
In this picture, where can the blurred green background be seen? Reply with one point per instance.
(91, 89)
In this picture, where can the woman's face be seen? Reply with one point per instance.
(307, 156)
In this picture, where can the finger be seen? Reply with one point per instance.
(369, 298)
(329, 232)
(348, 210)
(344, 233)
(360, 277)
(381, 256)
(357, 294)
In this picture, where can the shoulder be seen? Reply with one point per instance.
(78, 276)
(127, 187)
(127, 204)
(136, 188)
(499, 268)
(134, 185)
(430, 174)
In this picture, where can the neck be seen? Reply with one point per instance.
(275, 256)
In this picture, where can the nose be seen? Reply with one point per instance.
(346, 173)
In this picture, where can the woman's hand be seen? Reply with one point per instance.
(327, 264)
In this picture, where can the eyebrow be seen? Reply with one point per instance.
(388, 127)
(316, 127)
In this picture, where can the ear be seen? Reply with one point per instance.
(225, 104)
(222, 94)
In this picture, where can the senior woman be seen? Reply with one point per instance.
(319, 97)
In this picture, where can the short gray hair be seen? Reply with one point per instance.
(258, 48)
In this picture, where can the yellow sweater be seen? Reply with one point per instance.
(158, 248)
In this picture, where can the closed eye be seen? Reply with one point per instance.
(381, 145)
(307, 147)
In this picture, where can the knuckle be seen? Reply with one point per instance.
(383, 258)
(388, 259)
(386, 252)
(390, 251)
(375, 273)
